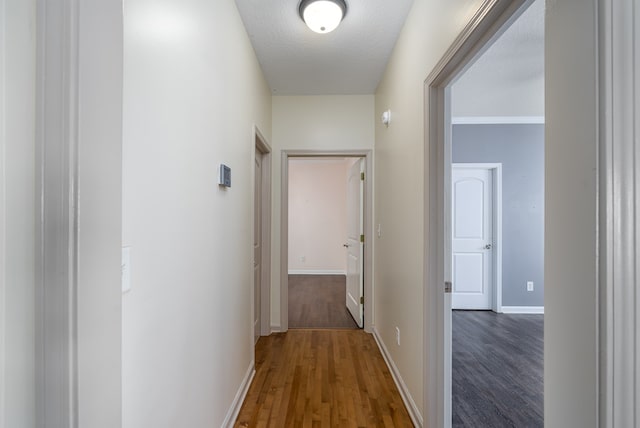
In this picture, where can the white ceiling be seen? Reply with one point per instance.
(297, 61)
(508, 78)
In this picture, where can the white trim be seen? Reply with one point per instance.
(316, 272)
(522, 310)
(367, 154)
(275, 329)
(3, 181)
(619, 198)
(262, 145)
(496, 169)
(485, 26)
(236, 405)
(56, 271)
(497, 120)
(407, 398)
(78, 337)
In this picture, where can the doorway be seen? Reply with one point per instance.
(325, 246)
(296, 262)
(488, 24)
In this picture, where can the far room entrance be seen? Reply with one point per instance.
(325, 246)
(326, 259)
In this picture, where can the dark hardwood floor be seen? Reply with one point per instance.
(318, 301)
(497, 370)
(321, 378)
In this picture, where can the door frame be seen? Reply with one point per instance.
(485, 26)
(367, 155)
(496, 202)
(264, 148)
(79, 209)
(3, 214)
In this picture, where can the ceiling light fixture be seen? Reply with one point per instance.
(322, 16)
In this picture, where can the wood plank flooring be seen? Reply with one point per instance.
(318, 301)
(497, 370)
(322, 378)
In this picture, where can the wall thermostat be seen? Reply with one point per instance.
(225, 176)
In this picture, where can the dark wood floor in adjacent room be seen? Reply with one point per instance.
(497, 370)
(318, 301)
(322, 378)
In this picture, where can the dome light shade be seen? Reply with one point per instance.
(322, 16)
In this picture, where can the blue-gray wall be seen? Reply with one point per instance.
(520, 149)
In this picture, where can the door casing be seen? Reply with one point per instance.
(262, 146)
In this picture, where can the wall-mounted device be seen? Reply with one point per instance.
(386, 117)
(225, 176)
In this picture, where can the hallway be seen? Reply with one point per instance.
(321, 378)
(128, 271)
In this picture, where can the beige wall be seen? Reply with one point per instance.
(192, 91)
(400, 168)
(318, 215)
(17, 213)
(332, 122)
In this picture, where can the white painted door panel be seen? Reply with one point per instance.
(355, 204)
(472, 240)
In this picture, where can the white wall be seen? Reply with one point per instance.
(431, 27)
(318, 215)
(332, 122)
(192, 91)
(17, 213)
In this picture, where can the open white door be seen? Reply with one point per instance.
(472, 240)
(355, 238)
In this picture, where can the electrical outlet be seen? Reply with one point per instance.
(303, 259)
(379, 230)
(529, 285)
(398, 336)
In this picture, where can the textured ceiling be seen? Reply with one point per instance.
(297, 61)
(508, 78)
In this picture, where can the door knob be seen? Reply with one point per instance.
(487, 247)
(345, 245)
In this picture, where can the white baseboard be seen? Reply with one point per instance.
(316, 272)
(234, 411)
(523, 309)
(276, 329)
(414, 413)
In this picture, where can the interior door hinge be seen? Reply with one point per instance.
(447, 287)
(362, 300)
(361, 238)
(362, 176)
